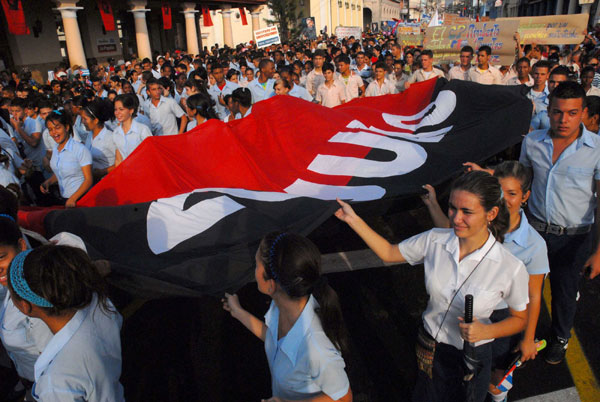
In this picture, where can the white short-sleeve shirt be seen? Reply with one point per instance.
(331, 96)
(66, 165)
(499, 276)
(374, 89)
(304, 363)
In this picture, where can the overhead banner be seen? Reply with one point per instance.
(408, 28)
(267, 36)
(108, 19)
(206, 17)
(166, 15)
(15, 17)
(446, 41)
(567, 29)
(346, 32)
(184, 214)
(410, 40)
(455, 19)
(243, 16)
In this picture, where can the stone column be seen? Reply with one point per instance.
(573, 6)
(585, 9)
(68, 12)
(255, 13)
(139, 10)
(191, 34)
(227, 30)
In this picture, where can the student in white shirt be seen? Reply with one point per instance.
(296, 90)
(353, 83)
(467, 259)
(82, 361)
(380, 85)
(331, 93)
(282, 87)
(523, 77)
(200, 109)
(219, 89)
(461, 71)
(427, 71)
(303, 330)
(484, 73)
(163, 111)
(129, 134)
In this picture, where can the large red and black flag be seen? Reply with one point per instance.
(184, 214)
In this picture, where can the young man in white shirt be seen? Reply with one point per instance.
(483, 73)
(352, 82)
(380, 85)
(163, 112)
(262, 87)
(461, 72)
(397, 76)
(315, 78)
(427, 71)
(523, 77)
(331, 93)
(296, 90)
(362, 68)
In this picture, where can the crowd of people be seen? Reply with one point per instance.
(507, 225)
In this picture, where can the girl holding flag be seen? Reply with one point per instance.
(466, 259)
(303, 330)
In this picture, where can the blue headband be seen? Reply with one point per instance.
(7, 217)
(19, 284)
(272, 255)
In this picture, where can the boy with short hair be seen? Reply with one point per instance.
(163, 112)
(331, 93)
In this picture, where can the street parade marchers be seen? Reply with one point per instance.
(215, 181)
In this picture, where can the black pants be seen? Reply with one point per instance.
(447, 383)
(567, 254)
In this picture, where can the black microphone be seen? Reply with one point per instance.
(469, 356)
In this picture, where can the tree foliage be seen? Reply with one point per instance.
(284, 15)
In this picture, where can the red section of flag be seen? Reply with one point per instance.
(267, 151)
(166, 14)
(243, 15)
(206, 16)
(107, 15)
(15, 17)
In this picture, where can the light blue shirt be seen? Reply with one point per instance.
(67, 164)
(540, 121)
(80, 131)
(37, 153)
(563, 193)
(126, 143)
(215, 92)
(259, 92)
(24, 338)
(103, 149)
(82, 362)
(304, 363)
(142, 119)
(527, 245)
(300, 92)
(540, 99)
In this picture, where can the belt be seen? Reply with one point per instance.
(559, 230)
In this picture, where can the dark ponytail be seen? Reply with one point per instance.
(294, 262)
(487, 188)
(64, 276)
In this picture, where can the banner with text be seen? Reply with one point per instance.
(408, 28)
(446, 41)
(267, 36)
(410, 40)
(455, 19)
(346, 32)
(551, 29)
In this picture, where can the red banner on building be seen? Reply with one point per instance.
(243, 15)
(166, 14)
(15, 17)
(206, 16)
(108, 19)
